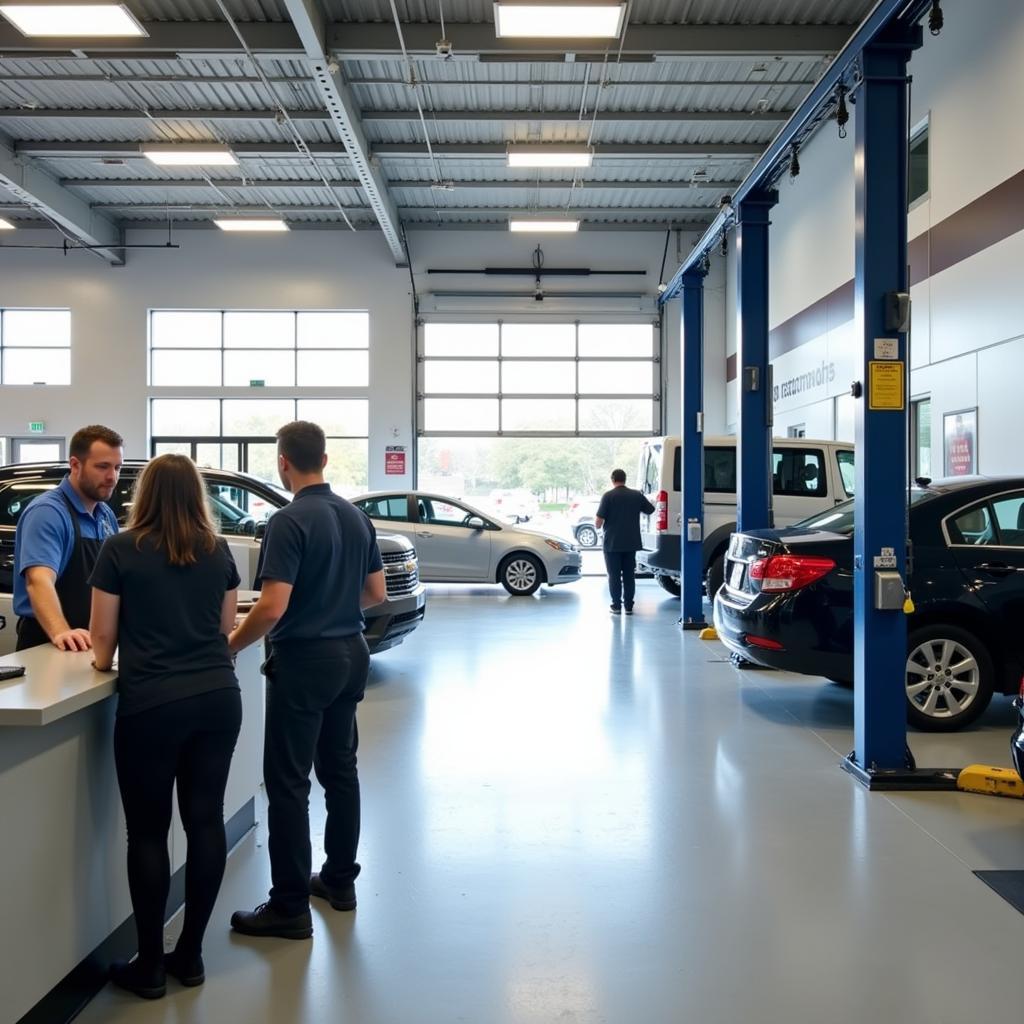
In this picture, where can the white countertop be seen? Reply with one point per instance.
(55, 684)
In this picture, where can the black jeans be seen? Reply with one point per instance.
(621, 566)
(189, 741)
(313, 688)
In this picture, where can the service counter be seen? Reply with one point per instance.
(63, 888)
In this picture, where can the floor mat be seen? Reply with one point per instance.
(1009, 885)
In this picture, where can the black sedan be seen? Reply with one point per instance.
(787, 602)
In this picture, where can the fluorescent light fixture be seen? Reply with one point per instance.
(173, 155)
(67, 20)
(549, 156)
(550, 226)
(6, 225)
(250, 224)
(558, 21)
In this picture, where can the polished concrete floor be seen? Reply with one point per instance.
(572, 818)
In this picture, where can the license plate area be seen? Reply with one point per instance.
(736, 572)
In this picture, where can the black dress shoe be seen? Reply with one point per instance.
(145, 982)
(342, 897)
(189, 970)
(266, 922)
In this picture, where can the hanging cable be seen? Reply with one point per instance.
(935, 18)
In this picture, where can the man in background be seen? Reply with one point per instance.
(619, 516)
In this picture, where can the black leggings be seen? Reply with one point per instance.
(189, 741)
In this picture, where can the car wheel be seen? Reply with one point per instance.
(521, 575)
(671, 584)
(587, 536)
(716, 576)
(949, 678)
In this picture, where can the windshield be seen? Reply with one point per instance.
(840, 519)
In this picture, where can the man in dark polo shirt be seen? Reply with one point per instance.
(619, 516)
(320, 568)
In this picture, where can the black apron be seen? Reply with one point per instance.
(73, 588)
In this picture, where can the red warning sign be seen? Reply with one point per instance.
(394, 460)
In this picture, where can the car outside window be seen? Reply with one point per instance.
(394, 507)
(847, 472)
(799, 472)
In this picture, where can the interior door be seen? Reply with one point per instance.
(448, 547)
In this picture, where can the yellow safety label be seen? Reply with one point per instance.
(885, 385)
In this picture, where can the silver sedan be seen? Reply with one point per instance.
(457, 543)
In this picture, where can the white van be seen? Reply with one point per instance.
(809, 477)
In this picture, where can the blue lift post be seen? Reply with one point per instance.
(754, 457)
(881, 758)
(692, 526)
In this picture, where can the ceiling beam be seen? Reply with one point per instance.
(36, 190)
(573, 116)
(308, 19)
(459, 186)
(133, 150)
(475, 151)
(135, 114)
(379, 40)
(368, 41)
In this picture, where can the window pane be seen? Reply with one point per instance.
(31, 328)
(185, 417)
(219, 456)
(972, 527)
(617, 340)
(37, 366)
(460, 378)
(347, 418)
(346, 465)
(1010, 517)
(460, 339)
(173, 367)
(259, 330)
(334, 369)
(620, 378)
(799, 472)
(918, 166)
(443, 513)
(257, 417)
(394, 507)
(538, 340)
(172, 448)
(848, 472)
(174, 328)
(275, 369)
(334, 330)
(719, 469)
(539, 378)
(460, 414)
(261, 461)
(614, 415)
(538, 414)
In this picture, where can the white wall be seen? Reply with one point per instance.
(967, 343)
(304, 269)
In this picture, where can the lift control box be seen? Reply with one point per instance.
(889, 591)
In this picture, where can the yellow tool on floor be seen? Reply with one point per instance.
(984, 778)
(708, 634)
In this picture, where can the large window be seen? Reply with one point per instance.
(239, 433)
(917, 185)
(921, 432)
(35, 346)
(566, 379)
(270, 348)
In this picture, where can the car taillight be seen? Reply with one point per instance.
(764, 643)
(789, 572)
(661, 512)
(1022, 687)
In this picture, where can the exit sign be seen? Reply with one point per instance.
(37, 427)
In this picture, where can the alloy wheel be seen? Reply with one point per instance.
(521, 575)
(943, 678)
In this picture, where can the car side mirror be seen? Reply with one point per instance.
(260, 531)
(475, 523)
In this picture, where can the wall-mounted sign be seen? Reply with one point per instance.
(257, 383)
(394, 460)
(960, 441)
(37, 427)
(886, 389)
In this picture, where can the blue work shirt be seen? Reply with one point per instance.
(325, 548)
(46, 536)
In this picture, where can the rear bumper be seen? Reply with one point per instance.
(811, 642)
(391, 621)
(661, 554)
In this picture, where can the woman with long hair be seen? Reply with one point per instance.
(165, 594)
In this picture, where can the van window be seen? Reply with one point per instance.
(799, 472)
(847, 473)
(720, 470)
(651, 480)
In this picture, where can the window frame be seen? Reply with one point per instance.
(5, 347)
(987, 502)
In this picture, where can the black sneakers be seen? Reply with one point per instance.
(145, 982)
(629, 609)
(341, 897)
(266, 922)
(616, 609)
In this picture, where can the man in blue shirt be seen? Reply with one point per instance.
(57, 541)
(321, 567)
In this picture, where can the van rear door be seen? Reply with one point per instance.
(648, 481)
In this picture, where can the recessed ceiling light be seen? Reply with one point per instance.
(250, 224)
(67, 20)
(549, 226)
(173, 155)
(549, 156)
(558, 21)
(6, 225)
